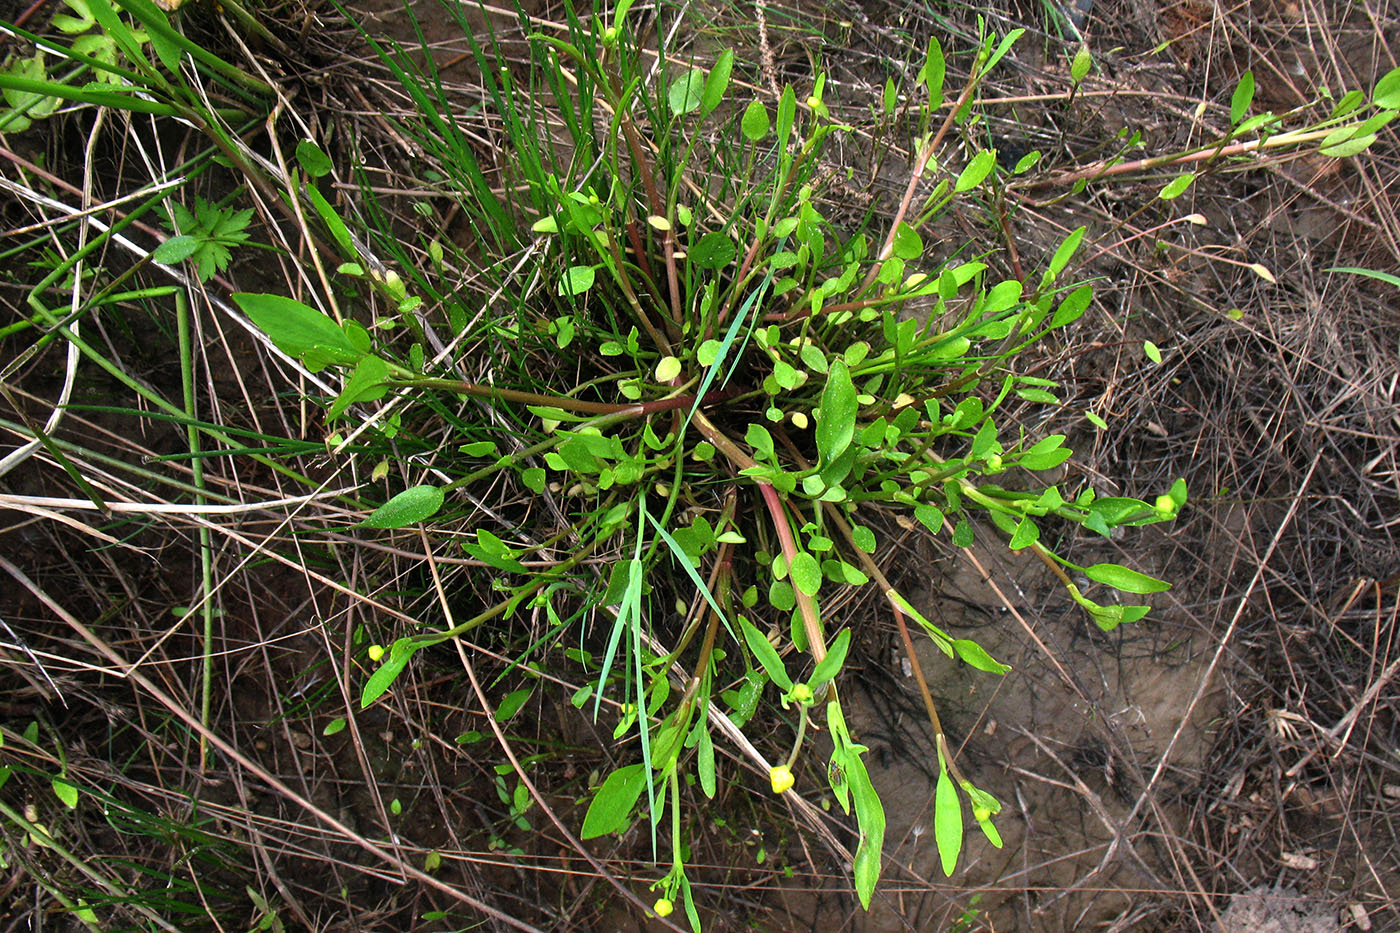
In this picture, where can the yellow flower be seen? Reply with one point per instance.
(376, 652)
(781, 778)
(663, 907)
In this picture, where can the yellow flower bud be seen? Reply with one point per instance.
(781, 778)
(663, 907)
(1165, 505)
(981, 814)
(376, 652)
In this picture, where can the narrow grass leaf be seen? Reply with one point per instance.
(1385, 277)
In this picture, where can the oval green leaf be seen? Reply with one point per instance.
(381, 680)
(686, 92)
(415, 504)
(613, 803)
(1122, 578)
(765, 654)
(756, 123)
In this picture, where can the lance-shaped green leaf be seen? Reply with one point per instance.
(1125, 579)
(766, 655)
(296, 329)
(415, 504)
(947, 818)
(836, 420)
(613, 803)
(381, 680)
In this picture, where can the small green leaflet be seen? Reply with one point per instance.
(947, 819)
(977, 656)
(381, 680)
(755, 124)
(613, 803)
(717, 82)
(1242, 98)
(365, 384)
(686, 92)
(576, 280)
(512, 703)
(1387, 92)
(1079, 68)
(297, 330)
(766, 654)
(66, 792)
(1176, 187)
(705, 762)
(1122, 578)
(830, 665)
(714, 250)
(836, 420)
(806, 573)
(313, 161)
(976, 171)
(415, 504)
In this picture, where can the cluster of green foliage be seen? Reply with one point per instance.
(725, 391)
(725, 395)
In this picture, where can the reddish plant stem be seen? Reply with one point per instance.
(811, 623)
